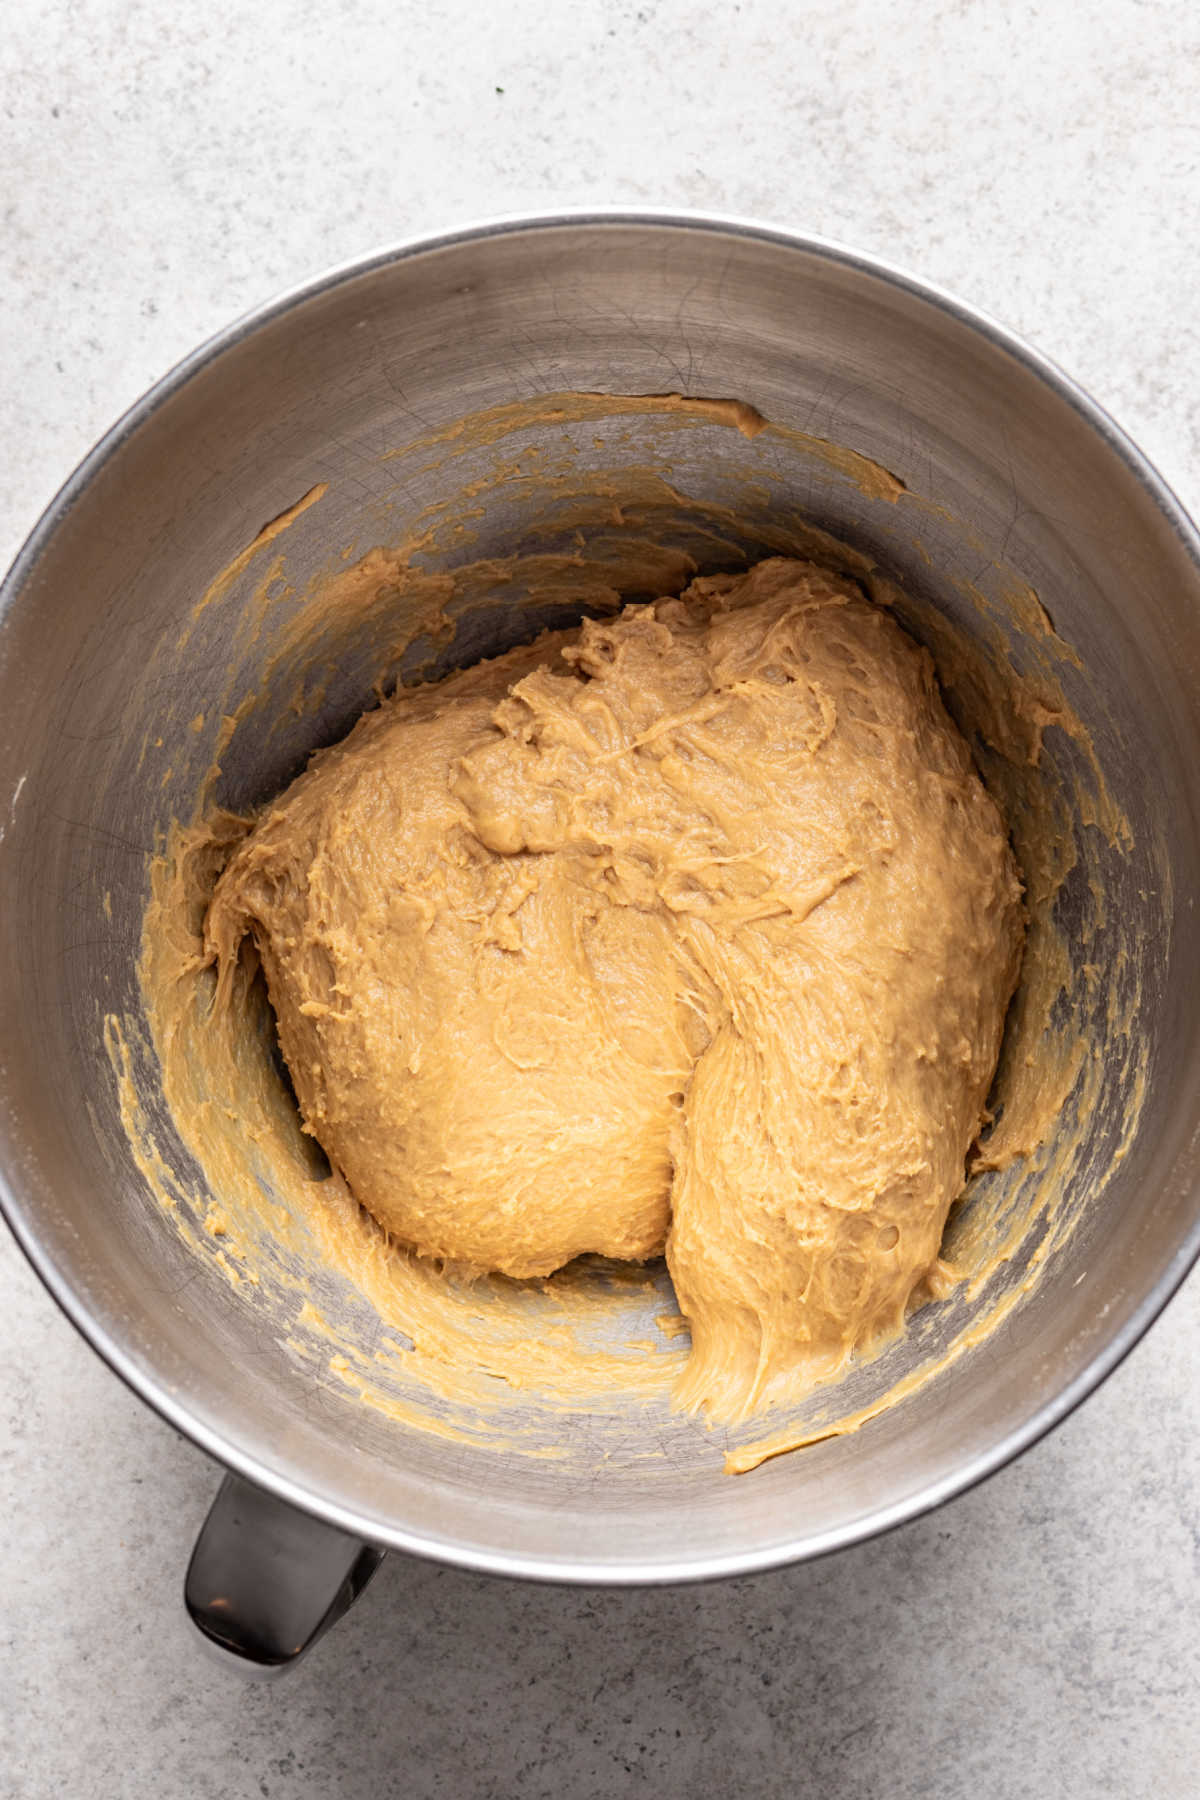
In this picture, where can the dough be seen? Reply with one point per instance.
(693, 929)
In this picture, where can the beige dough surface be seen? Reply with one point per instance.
(693, 929)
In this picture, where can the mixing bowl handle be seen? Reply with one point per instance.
(265, 1581)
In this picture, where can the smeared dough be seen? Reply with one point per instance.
(692, 929)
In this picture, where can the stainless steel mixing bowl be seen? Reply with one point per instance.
(1014, 466)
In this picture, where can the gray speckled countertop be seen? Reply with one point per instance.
(163, 169)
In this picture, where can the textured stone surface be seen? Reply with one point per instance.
(166, 169)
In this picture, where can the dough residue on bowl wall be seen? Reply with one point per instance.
(496, 1361)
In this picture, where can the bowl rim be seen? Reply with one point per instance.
(156, 1393)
